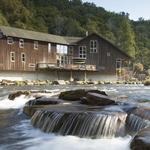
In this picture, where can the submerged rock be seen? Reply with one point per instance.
(142, 140)
(76, 95)
(99, 99)
(12, 96)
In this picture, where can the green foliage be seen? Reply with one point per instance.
(74, 18)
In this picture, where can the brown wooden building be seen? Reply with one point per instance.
(29, 51)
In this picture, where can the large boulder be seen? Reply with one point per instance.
(99, 99)
(77, 95)
(12, 96)
(142, 140)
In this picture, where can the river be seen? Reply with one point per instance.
(17, 133)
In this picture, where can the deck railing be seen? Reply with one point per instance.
(66, 66)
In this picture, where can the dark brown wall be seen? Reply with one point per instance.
(33, 56)
(104, 63)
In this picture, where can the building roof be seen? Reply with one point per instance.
(39, 36)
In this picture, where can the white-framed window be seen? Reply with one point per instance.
(64, 59)
(49, 47)
(93, 46)
(12, 56)
(21, 43)
(36, 44)
(10, 40)
(82, 51)
(23, 57)
(108, 54)
(62, 49)
(70, 52)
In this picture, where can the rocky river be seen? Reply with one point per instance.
(18, 131)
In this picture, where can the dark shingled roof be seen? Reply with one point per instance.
(39, 36)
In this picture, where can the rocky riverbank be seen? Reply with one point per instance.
(63, 82)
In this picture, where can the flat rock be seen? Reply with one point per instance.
(77, 95)
(99, 99)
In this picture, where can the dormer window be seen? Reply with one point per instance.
(10, 40)
(36, 45)
(21, 43)
(93, 46)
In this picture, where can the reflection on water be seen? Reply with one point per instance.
(16, 132)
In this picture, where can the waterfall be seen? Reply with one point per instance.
(82, 124)
(136, 123)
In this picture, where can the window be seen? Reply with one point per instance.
(31, 65)
(10, 40)
(23, 57)
(21, 43)
(12, 56)
(36, 45)
(108, 54)
(82, 51)
(93, 46)
(49, 47)
(62, 49)
(64, 60)
(70, 50)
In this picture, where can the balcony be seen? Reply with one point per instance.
(76, 67)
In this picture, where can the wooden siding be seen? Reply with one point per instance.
(104, 63)
(33, 56)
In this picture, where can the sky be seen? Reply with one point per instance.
(136, 8)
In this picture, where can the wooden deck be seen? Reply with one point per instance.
(49, 66)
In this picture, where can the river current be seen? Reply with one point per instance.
(17, 133)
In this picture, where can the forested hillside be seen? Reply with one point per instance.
(74, 18)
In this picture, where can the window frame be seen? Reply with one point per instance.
(70, 50)
(36, 45)
(21, 43)
(9, 39)
(23, 57)
(93, 46)
(12, 56)
(82, 52)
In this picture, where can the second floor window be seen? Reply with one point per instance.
(62, 49)
(93, 46)
(36, 44)
(82, 51)
(70, 52)
(12, 56)
(23, 57)
(10, 40)
(21, 43)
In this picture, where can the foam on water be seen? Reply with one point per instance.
(37, 139)
(17, 103)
